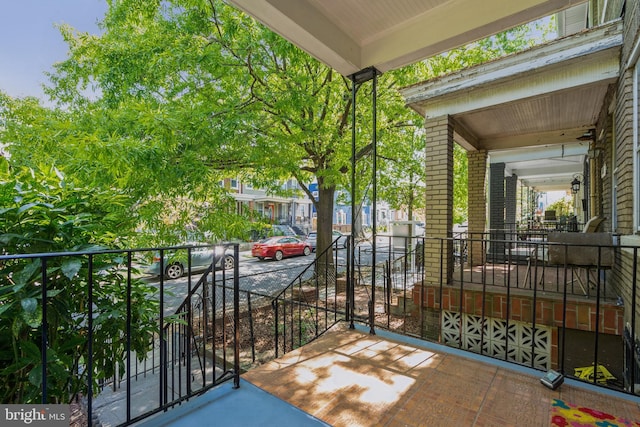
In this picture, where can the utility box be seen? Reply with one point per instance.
(404, 235)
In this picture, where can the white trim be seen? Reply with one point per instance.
(633, 58)
(636, 202)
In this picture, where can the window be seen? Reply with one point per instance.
(234, 183)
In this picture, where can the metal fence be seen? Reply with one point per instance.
(86, 325)
(531, 304)
(545, 303)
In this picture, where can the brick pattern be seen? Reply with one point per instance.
(511, 200)
(623, 166)
(624, 124)
(496, 207)
(580, 315)
(439, 194)
(477, 194)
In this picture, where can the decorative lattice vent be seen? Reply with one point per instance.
(520, 343)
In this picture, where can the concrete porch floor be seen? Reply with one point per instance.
(351, 378)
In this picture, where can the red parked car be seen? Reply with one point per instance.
(280, 247)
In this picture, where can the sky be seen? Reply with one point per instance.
(30, 43)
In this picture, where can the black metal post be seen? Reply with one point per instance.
(351, 261)
(374, 208)
(90, 341)
(236, 316)
(44, 325)
(128, 327)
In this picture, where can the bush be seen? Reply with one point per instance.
(43, 213)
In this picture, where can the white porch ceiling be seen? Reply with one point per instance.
(350, 35)
(529, 109)
(525, 111)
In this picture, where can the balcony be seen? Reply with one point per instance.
(397, 346)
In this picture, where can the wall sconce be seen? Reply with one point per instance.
(575, 184)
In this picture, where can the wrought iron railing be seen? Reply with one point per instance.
(544, 308)
(115, 332)
(312, 303)
(520, 306)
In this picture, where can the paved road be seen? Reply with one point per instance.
(262, 278)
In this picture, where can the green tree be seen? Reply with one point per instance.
(563, 207)
(186, 92)
(502, 44)
(43, 213)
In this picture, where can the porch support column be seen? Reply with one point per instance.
(477, 202)
(496, 209)
(438, 263)
(510, 200)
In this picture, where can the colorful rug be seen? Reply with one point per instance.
(569, 415)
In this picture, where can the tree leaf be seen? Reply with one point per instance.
(23, 276)
(29, 305)
(35, 375)
(5, 307)
(30, 313)
(70, 267)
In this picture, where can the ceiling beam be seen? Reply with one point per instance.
(540, 153)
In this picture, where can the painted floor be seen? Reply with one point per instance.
(351, 378)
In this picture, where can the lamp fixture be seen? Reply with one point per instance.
(575, 184)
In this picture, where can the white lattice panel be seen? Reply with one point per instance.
(519, 342)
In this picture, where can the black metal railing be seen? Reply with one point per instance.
(531, 304)
(98, 326)
(312, 303)
(540, 303)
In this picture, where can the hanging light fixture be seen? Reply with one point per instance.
(575, 184)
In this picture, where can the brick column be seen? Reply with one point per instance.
(477, 202)
(439, 203)
(510, 201)
(496, 209)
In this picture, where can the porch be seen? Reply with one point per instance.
(348, 377)
(441, 343)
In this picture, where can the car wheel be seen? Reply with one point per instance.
(228, 262)
(174, 271)
(278, 256)
(306, 251)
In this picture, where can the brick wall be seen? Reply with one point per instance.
(510, 199)
(496, 208)
(581, 314)
(439, 194)
(477, 201)
(623, 166)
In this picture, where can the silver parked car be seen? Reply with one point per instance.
(342, 239)
(176, 262)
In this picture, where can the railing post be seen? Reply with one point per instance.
(43, 262)
(274, 304)
(128, 332)
(90, 341)
(236, 316)
(633, 320)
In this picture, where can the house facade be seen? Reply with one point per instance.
(295, 210)
(560, 114)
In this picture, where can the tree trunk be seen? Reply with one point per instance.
(325, 221)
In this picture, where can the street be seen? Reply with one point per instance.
(260, 278)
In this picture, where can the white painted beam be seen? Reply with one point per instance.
(576, 49)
